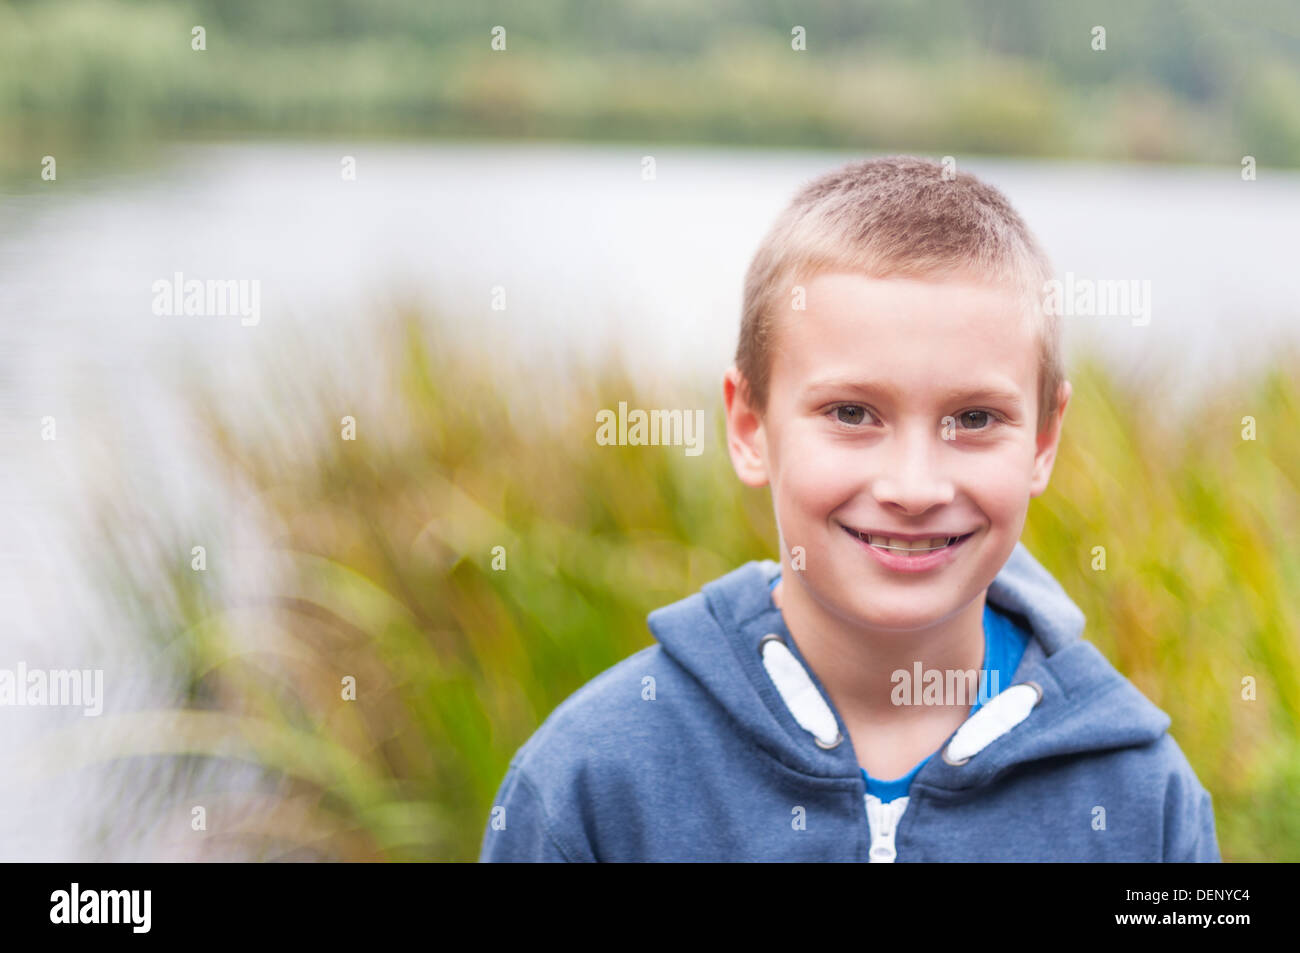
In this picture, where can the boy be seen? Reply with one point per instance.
(899, 386)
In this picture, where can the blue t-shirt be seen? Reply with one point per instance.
(1005, 639)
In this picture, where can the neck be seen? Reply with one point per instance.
(856, 663)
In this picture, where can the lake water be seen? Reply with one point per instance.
(594, 261)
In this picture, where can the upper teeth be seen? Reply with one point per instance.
(912, 545)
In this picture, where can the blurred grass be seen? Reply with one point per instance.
(385, 573)
(1200, 529)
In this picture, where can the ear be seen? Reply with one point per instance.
(746, 437)
(1048, 440)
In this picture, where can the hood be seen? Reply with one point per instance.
(1065, 698)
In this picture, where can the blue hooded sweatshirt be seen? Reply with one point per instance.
(720, 744)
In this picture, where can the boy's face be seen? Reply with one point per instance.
(854, 441)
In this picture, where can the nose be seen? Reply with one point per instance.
(913, 476)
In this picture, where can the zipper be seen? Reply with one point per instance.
(882, 821)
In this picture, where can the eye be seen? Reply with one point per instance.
(850, 415)
(975, 419)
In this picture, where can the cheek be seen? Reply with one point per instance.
(818, 477)
(999, 481)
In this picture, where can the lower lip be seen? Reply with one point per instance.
(900, 563)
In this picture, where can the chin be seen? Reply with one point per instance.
(901, 618)
(900, 622)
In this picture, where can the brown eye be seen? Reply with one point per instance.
(975, 419)
(850, 414)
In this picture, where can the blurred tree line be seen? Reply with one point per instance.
(1177, 81)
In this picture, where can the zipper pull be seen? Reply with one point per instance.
(882, 821)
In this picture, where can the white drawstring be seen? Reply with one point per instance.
(797, 690)
(998, 716)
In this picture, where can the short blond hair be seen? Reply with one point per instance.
(895, 217)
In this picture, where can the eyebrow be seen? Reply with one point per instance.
(872, 388)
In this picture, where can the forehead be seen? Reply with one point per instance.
(917, 336)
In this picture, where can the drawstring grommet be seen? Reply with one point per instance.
(948, 760)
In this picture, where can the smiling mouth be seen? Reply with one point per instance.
(907, 547)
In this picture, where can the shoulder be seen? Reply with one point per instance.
(1156, 790)
(589, 761)
(1188, 807)
(1158, 783)
(1158, 767)
(1116, 747)
(605, 714)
